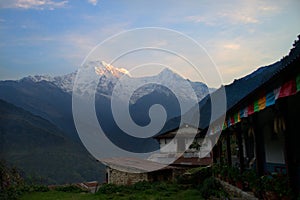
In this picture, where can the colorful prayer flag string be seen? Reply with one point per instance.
(289, 88)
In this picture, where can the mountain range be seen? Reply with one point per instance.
(110, 75)
(42, 110)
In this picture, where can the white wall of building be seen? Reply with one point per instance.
(274, 146)
(168, 145)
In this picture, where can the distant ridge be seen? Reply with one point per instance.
(41, 150)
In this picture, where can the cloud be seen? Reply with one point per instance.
(160, 43)
(207, 20)
(239, 56)
(221, 17)
(232, 46)
(237, 13)
(268, 8)
(33, 4)
(93, 2)
(240, 17)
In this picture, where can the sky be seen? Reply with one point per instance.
(53, 37)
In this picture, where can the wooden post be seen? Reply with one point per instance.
(240, 146)
(288, 151)
(228, 147)
(215, 154)
(259, 146)
(220, 151)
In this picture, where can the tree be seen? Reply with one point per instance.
(10, 181)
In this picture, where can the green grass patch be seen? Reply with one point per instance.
(58, 195)
(142, 190)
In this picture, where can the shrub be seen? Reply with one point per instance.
(142, 185)
(216, 169)
(211, 187)
(108, 189)
(195, 176)
(10, 182)
(252, 180)
(277, 183)
(282, 187)
(69, 188)
(35, 188)
(161, 186)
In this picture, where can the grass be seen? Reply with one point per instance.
(198, 185)
(143, 191)
(188, 189)
(51, 195)
(189, 194)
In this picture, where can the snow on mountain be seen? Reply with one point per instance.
(39, 78)
(174, 82)
(109, 76)
(64, 82)
(106, 69)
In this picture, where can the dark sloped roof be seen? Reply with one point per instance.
(172, 133)
(133, 165)
(194, 161)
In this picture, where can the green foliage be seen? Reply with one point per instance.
(224, 171)
(266, 182)
(189, 194)
(212, 187)
(195, 145)
(145, 190)
(216, 169)
(57, 195)
(252, 180)
(277, 183)
(281, 185)
(195, 176)
(141, 190)
(109, 189)
(11, 182)
(34, 188)
(69, 188)
(228, 173)
(142, 185)
(234, 174)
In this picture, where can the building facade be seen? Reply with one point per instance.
(261, 129)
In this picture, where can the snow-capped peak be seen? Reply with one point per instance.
(110, 75)
(108, 68)
(167, 73)
(39, 78)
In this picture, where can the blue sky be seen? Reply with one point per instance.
(54, 36)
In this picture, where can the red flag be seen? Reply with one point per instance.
(288, 89)
(251, 109)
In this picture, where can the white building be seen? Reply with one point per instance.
(183, 146)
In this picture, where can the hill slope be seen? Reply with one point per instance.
(40, 149)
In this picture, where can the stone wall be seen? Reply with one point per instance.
(124, 178)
